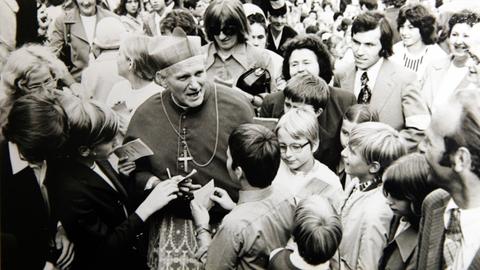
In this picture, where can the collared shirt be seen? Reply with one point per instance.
(276, 40)
(18, 164)
(469, 222)
(259, 223)
(157, 18)
(372, 74)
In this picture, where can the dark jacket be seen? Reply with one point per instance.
(93, 215)
(330, 122)
(287, 34)
(26, 225)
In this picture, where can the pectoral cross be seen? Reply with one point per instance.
(185, 158)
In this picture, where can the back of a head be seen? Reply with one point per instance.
(370, 20)
(91, 123)
(182, 18)
(377, 142)
(369, 4)
(38, 125)
(360, 113)
(317, 229)
(109, 33)
(254, 148)
(299, 124)
(309, 89)
(407, 179)
(135, 48)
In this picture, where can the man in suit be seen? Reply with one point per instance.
(30, 235)
(390, 89)
(154, 19)
(278, 32)
(448, 237)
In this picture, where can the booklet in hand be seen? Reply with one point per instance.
(202, 196)
(133, 150)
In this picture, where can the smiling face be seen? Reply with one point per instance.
(226, 41)
(303, 60)
(366, 48)
(185, 80)
(410, 34)
(157, 5)
(278, 22)
(460, 33)
(40, 79)
(87, 7)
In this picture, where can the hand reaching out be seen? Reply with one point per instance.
(221, 197)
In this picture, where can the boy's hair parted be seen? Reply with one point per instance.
(377, 142)
(300, 123)
(309, 89)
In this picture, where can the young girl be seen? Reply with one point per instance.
(299, 171)
(356, 114)
(92, 200)
(405, 186)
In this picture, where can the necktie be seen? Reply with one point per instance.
(365, 93)
(453, 238)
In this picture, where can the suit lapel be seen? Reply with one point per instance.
(435, 247)
(383, 88)
(76, 26)
(347, 83)
(110, 173)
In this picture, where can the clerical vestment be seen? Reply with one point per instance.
(182, 140)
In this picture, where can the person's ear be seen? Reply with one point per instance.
(160, 79)
(315, 145)
(238, 172)
(84, 151)
(318, 112)
(374, 167)
(462, 159)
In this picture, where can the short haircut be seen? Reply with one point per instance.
(312, 29)
(467, 131)
(91, 123)
(377, 142)
(309, 89)
(38, 126)
(182, 18)
(317, 229)
(465, 16)
(255, 149)
(369, 4)
(369, 21)
(135, 47)
(407, 179)
(299, 123)
(227, 12)
(314, 44)
(420, 17)
(360, 113)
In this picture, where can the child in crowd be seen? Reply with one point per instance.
(299, 172)
(405, 184)
(263, 217)
(356, 114)
(366, 217)
(92, 200)
(317, 233)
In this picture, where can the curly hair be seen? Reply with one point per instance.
(421, 18)
(314, 44)
(182, 18)
(464, 16)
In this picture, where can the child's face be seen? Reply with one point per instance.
(296, 153)
(399, 207)
(355, 165)
(103, 150)
(345, 132)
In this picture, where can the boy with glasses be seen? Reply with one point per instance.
(299, 171)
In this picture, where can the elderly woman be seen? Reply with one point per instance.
(302, 54)
(448, 74)
(229, 55)
(76, 27)
(417, 49)
(32, 68)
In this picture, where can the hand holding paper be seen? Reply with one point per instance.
(202, 196)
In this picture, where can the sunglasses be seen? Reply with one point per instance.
(228, 30)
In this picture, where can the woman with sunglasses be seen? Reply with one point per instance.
(229, 55)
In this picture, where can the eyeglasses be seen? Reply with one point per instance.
(228, 30)
(294, 147)
(51, 82)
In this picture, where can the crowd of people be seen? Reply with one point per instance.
(279, 134)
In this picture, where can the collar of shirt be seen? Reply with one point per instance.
(18, 164)
(372, 74)
(470, 238)
(300, 263)
(239, 53)
(157, 18)
(245, 196)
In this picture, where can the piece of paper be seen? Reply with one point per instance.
(202, 196)
(133, 150)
